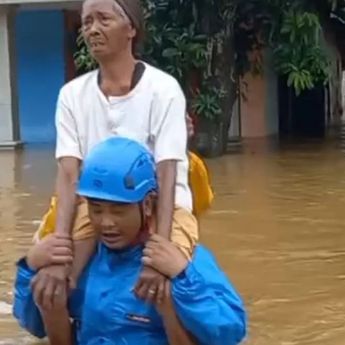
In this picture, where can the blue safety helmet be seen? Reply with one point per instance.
(118, 170)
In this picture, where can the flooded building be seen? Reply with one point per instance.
(271, 108)
(36, 59)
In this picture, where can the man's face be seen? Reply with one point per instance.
(106, 28)
(118, 224)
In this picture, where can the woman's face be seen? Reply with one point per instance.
(118, 224)
(106, 28)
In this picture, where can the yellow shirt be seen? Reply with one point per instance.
(199, 181)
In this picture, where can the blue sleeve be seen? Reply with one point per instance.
(24, 307)
(207, 303)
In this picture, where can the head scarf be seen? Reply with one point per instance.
(134, 11)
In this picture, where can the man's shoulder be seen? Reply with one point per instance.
(205, 261)
(203, 253)
(78, 84)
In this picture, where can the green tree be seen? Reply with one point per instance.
(293, 30)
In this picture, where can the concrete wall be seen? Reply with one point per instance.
(335, 84)
(9, 131)
(253, 114)
(272, 96)
(41, 72)
(259, 109)
(235, 126)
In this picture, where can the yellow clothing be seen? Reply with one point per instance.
(199, 181)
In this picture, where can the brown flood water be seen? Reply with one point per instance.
(277, 228)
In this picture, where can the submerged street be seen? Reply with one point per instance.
(277, 227)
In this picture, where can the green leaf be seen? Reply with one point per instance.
(170, 53)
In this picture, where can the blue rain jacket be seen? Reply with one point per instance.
(106, 311)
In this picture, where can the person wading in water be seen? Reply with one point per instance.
(199, 306)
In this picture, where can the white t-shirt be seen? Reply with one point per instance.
(153, 113)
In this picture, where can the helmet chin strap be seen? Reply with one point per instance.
(142, 217)
(144, 231)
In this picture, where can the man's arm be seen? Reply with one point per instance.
(208, 306)
(56, 316)
(204, 300)
(24, 306)
(38, 323)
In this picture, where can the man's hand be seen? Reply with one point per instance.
(52, 250)
(50, 287)
(151, 285)
(163, 256)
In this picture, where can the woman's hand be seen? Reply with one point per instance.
(165, 306)
(151, 285)
(177, 334)
(52, 250)
(190, 126)
(164, 256)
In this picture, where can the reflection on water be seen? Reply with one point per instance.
(26, 182)
(276, 227)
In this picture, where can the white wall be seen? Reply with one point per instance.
(8, 102)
